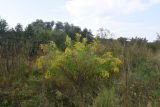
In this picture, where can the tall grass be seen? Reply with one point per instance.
(106, 98)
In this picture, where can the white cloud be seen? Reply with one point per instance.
(79, 8)
(100, 13)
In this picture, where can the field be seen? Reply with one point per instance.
(55, 64)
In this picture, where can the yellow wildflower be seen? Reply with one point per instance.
(113, 64)
(78, 36)
(101, 61)
(115, 69)
(68, 41)
(47, 75)
(79, 46)
(84, 41)
(68, 51)
(108, 55)
(44, 47)
(54, 64)
(39, 62)
(60, 58)
(105, 74)
(118, 61)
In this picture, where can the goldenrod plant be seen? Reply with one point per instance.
(78, 66)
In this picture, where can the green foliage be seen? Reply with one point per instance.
(106, 98)
(144, 84)
(3, 26)
(78, 67)
(139, 78)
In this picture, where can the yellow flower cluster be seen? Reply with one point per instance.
(104, 74)
(47, 74)
(115, 69)
(44, 47)
(94, 45)
(118, 61)
(79, 46)
(68, 51)
(60, 58)
(101, 61)
(84, 41)
(108, 55)
(39, 62)
(68, 41)
(54, 64)
(56, 60)
(78, 36)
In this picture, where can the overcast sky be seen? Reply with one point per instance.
(128, 18)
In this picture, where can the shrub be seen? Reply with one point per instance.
(79, 68)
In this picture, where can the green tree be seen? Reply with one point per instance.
(3, 26)
(59, 26)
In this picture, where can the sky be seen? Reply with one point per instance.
(127, 18)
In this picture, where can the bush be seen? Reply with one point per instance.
(79, 71)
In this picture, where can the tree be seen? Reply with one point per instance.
(59, 26)
(18, 28)
(104, 33)
(67, 27)
(158, 37)
(123, 40)
(29, 32)
(87, 34)
(3, 26)
(49, 25)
